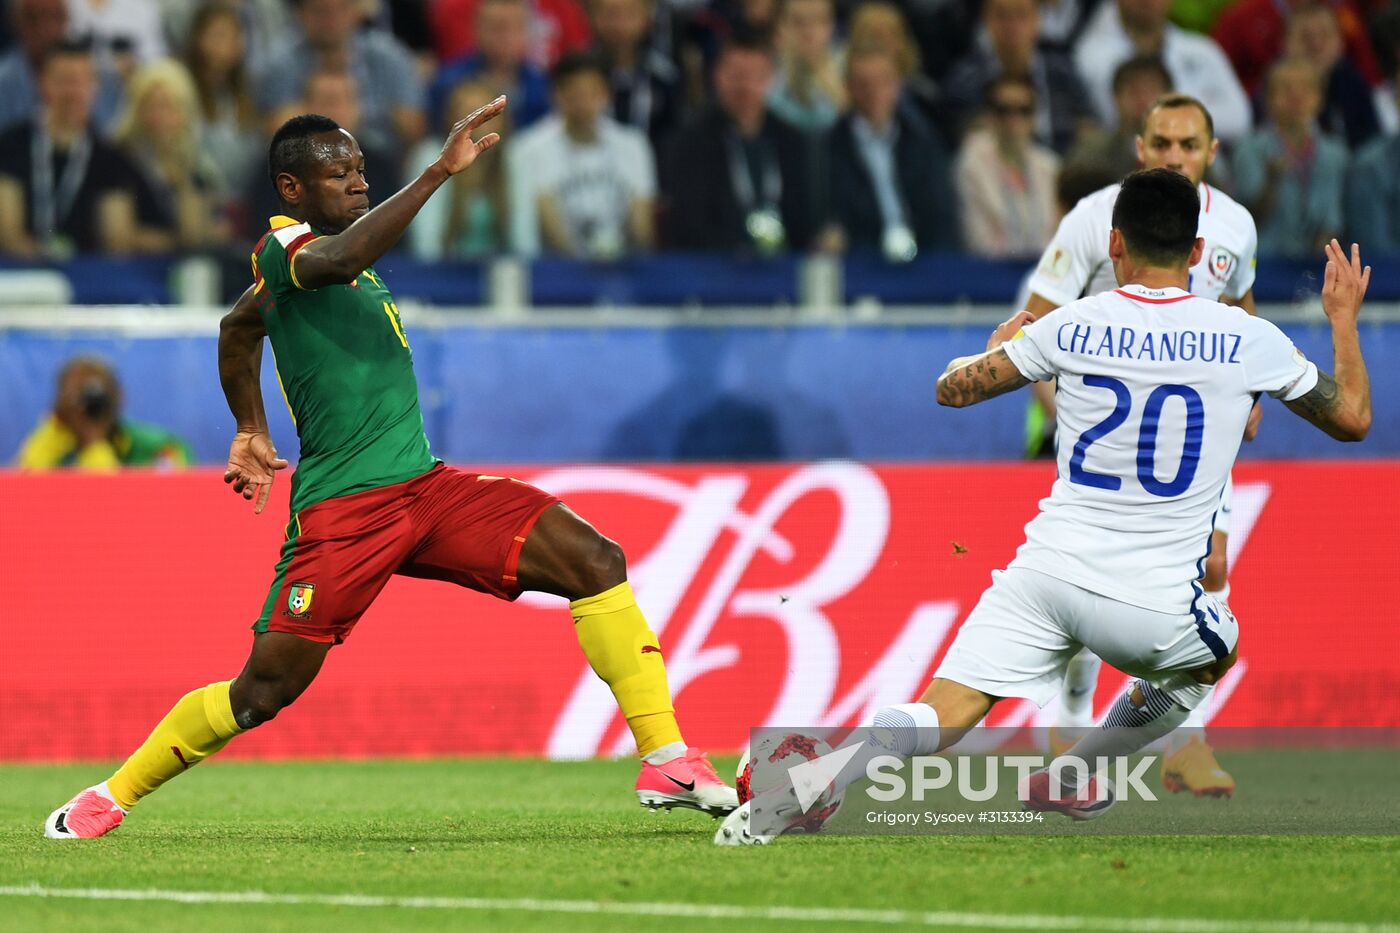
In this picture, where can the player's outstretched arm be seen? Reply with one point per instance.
(252, 458)
(1341, 404)
(241, 334)
(340, 258)
(972, 379)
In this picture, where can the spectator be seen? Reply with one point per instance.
(1005, 179)
(176, 201)
(229, 136)
(391, 95)
(1136, 84)
(471, 218)
(646, 84)
(1012, 47)
(39, 26)
(125, 34)
(1347, 108)
(1252, 34)
(335, 94)
(556, 28)
(1373, 196)
(500, 62)
(808, 92)
(1062, 21)
(86, 429)
(1122, 29)
(1289, 175)
(709, 27)
(62, 188)
(582, 184)
(888, 178)
(738, 176)
(265, 23)
(880, 24)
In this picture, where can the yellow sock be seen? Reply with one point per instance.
(195, 728)
(624, 652)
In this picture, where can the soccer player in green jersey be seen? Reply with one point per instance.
(369, 500)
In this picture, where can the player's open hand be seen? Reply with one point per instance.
(1344, 284)
(1009, 329)
(460, 150)
(252, 464)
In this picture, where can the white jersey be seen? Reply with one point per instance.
(1154, 390)
(1076, 262)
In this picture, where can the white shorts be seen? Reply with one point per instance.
(1227, 501)
(1027, 626)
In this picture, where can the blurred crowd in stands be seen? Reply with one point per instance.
(140, 126)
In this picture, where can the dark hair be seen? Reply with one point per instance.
(290, 150)
(1157, 212)
(1142, 65)
(1078, 180)
(66, 48)
(576, 63)
(1172, 101)
(748, 39)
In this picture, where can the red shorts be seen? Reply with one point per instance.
(444, 525)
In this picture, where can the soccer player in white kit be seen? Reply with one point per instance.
(1155, 387)
(1178, 134)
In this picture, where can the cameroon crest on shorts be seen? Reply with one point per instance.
(299, 598)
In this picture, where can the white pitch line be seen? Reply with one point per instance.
(945, 919)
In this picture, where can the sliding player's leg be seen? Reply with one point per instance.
(1011, 645)
(1178, 660)
(503, 537)
(337, 557)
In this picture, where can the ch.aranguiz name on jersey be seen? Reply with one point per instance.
(1168, 345)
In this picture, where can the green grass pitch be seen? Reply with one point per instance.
(524, 844)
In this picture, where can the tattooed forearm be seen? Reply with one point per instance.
(1321, 402)
(978, 379)
(1327, 407)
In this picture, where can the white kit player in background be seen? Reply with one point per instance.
(1178, 134)
(1155, 387)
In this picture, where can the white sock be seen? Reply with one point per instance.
(665, 753)
(1130, 727)
(1077, 691)
(913, 728)
(1194, 726)
(903, 730)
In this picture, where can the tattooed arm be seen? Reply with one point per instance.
(1341, 405)
(972, 379)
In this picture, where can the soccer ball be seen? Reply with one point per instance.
(776, 754)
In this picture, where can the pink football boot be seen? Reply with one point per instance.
(687, 781)
(91, 814)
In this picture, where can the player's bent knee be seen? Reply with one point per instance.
(605, 566)
(1211, 673)
(259, 703)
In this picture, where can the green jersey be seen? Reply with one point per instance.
(346, 370)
